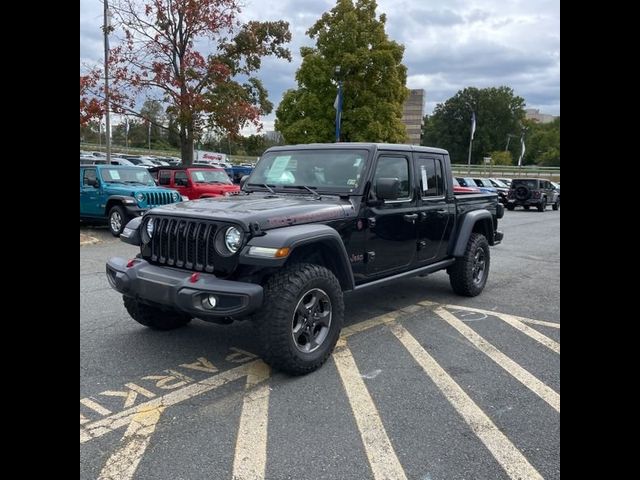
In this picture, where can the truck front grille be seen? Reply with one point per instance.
(158, 198)
(184, 243)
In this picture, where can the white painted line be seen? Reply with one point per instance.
(491, 312)
(250, 458)
(124, 461)
(101, 427)
(527, 379)
(96, 407)
(382, 457)
(507, 455)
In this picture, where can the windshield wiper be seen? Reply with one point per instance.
(135, 181)
(263, 185)
(317, 195)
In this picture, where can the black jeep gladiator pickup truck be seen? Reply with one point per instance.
(313, 222)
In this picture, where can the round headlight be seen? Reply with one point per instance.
(150, 227)
(233, 239)
(176, 197)
(140, 197)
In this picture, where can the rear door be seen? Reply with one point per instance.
(392, 232)
(435, 213)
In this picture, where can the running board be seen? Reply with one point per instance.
(411, 273)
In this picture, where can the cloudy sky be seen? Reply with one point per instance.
(449, 44)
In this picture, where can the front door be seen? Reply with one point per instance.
(435, 212)
(391, 238)
(90, 195)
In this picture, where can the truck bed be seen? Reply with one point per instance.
(465, 202)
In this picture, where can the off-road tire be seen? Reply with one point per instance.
(282, 293)
(154, 317)
(556, 205)
(542, 206)
(511, 208)
(461, 274)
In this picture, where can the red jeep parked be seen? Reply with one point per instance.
(196, 182)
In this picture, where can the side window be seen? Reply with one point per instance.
(165, 177)
(181, 178)
(394, 167)
(89, 177)
(430, 176)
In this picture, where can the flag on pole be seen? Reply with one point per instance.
(523, 150)
(473, 124)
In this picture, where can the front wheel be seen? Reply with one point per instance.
(301, 318)
(556, 205)
(468, 275)
(117, 220)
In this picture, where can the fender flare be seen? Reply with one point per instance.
(467, 224)
(297, 236)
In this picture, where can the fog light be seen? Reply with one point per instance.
(209, 301)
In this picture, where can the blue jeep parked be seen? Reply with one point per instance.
(115, 194)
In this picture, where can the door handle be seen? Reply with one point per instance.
(411, 218)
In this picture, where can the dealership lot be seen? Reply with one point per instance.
(423, 384)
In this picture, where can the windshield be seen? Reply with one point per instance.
(467, 182)
(498, 183)
(529, 183)
(333, 170)
(209, 176)
(127, 176)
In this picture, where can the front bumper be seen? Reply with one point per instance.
(174, 288)
(134, 210)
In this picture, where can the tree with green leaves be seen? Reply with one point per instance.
(372, 74)
(542, 141)
(499, 112)
(501, 157)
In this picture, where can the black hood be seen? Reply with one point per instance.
(267, 210)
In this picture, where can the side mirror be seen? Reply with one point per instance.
(388, 188)
(243, 181)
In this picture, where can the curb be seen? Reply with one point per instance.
(87, 240)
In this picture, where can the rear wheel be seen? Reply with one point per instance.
(117, 220)
(301, 318)
(154, 317)
(469, 274)
(526, 207)
(542, 206)
(511, 207)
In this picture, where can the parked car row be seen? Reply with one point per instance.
(524, 192)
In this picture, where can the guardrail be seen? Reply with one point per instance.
(508, 171)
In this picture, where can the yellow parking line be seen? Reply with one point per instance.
(507, 455)
(523, 376)
(250, 458)
(101, 427)
(124, 461)
(382, 457)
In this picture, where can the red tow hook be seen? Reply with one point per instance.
(131, 263)
(194, 277)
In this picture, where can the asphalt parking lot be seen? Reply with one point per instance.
(423, 384)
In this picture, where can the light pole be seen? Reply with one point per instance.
(106, 28)
(338, 104)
